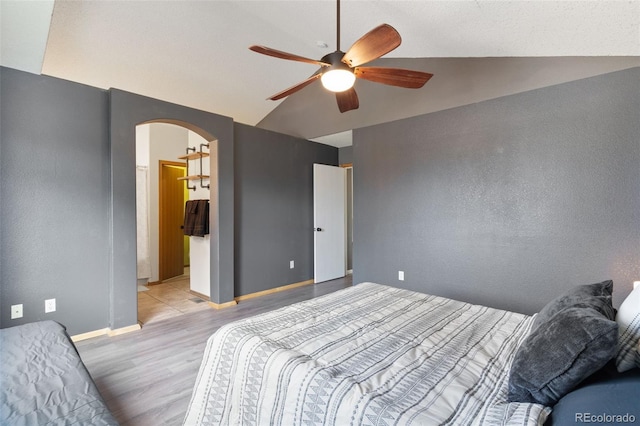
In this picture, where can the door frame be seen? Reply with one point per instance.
(316, 224)
(349, 208)
(161, 248)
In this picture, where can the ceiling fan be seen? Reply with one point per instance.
(339, 70)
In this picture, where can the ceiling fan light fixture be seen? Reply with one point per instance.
(339, 70)
(338, 80)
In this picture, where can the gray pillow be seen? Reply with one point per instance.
(595, 296)
(573, 344)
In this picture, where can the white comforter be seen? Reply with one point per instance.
(366, 355)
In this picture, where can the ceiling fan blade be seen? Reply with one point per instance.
(347, 100)
(393, 76)
(377, 42)
(295, 88)
(284, 55)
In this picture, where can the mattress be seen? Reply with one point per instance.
(44, 381)
(366, 355)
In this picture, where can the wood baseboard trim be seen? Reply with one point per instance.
(256, 294)
(89, 335)
(153, 283)
(222, 305)
(104, 331)
(123, 330)
(273, 290)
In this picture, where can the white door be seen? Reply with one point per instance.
(329, 218)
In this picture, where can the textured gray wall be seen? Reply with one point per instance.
(54, 200)
(506, 202)
(67, 201)
(274, 207)
(345, 155)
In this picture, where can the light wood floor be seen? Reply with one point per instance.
(147, 376)
(170, 299)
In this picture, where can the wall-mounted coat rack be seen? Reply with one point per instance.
(192, 154)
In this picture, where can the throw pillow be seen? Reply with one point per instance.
(596, 296)
(573, 344)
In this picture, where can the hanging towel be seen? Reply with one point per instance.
(196, 218)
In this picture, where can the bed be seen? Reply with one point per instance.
(366, 355)
(44, 381)
(376, 355)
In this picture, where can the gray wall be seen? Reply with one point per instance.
(345, 155)
(54, 200)
(67, 200)
(507, 202)
(274, 207)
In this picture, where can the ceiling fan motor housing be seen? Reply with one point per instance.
(338, 76)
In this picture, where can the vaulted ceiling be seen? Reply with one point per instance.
(195, 53)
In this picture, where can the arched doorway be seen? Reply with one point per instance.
(127, 111)
(173, 269)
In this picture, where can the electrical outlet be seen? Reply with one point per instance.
(16, 311)
(292, 264)
(49, 305)
(401, 275)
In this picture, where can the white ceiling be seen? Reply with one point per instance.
(195, 53)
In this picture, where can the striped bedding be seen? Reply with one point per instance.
(366, 355)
